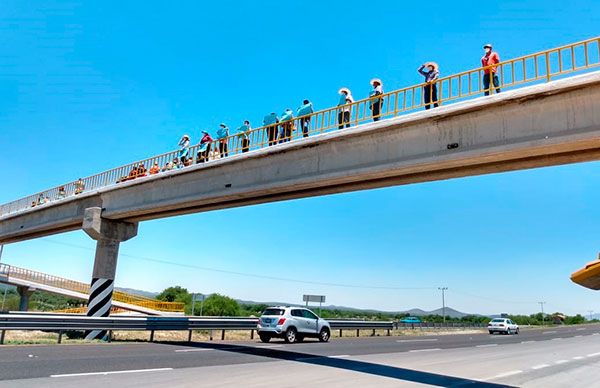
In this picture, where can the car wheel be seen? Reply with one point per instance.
(517, 331)
(290, 335)
(491, 332)
(324, 335)
(265, 337)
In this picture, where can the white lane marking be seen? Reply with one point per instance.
(340, 356)
(541, 366)
(578, 358)
(593, 355)
(561, 362)
(423, 350)
(596, 334)
(486, 346)
(527, 342)
(191, 350)
(577, 336)
(418, 340)
(113, 372)
(509, 373)
(556, 339)
(581, 328)
(550, 332)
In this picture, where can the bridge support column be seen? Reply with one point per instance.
(24, 293)
(108, 234)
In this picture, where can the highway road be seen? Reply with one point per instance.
(552, 357)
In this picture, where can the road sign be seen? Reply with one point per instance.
(313, 298)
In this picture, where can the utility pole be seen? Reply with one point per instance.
(443, 289)
(542, 306)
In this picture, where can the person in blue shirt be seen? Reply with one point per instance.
(222, 136)
(431, 72)
(345, 103)
(242, 135)
(375, 104)
(184, 148)
(287, 125)
(305, 110)
(271, 121)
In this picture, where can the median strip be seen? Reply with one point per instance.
(113, 372)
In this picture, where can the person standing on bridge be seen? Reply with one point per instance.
(375, 103)
(204, 149)
(345, 105)
(271, 121)
(287, 126)
(184, 148)
(490, 69)
(430, 71)
(242, 134)
(303, 112)
(79, 186)
(222, 136)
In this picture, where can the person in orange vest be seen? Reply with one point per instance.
(490, 71)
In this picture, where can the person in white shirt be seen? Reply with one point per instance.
(345, 103)
(376, 103)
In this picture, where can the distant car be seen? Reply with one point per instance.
(410, 320)
(292, 324)
(503, 325)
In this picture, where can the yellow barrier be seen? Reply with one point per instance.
(542, 66)
(71, 285)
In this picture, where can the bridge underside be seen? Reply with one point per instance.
(543, 125)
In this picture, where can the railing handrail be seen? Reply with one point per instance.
(355, 106)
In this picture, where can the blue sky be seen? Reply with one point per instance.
(86, 86)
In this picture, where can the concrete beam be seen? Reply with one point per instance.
(542, 125)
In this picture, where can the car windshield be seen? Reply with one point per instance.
(274, 312)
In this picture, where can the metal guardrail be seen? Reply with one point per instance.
(62, 323)
(10, 271)
(542, 66)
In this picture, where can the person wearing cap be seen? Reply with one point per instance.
(222, 136)
(184, 148)
(287, 126)
(204, 148)
(490, 70)
(242, 135)
(345, 103)
(271, 121)
(79, 186)
(303, 112)
(430, 71)
(375, 103)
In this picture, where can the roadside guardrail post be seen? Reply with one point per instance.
(340, 333)
(151, 335)
(388, 332)
(211, 334)
(358, 332)
(2, 337)
(373, 334)
(190, 336)
(251, 334)
(60, 333)
(109, 338)
(223, 335)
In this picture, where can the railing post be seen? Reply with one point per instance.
(2, 334)
(190, 336)
(358, 332)
(60, 333)
(340, 333)
(222, 335)
(151, 335)
(251, 334)
(548, 76)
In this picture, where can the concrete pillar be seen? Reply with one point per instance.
(25, 292)
(108, 234)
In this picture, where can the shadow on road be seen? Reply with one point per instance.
(404, 374)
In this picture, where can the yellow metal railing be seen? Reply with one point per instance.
(72, 285)
(542, 66)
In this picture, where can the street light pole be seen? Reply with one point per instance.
(542, 306)
(443, 289)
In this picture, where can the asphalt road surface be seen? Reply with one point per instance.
(557, 357)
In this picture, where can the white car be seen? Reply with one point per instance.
(292, 324)
(503, 325)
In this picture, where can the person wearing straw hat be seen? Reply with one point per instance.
(287, 126)
(375, 103)
(490, 70)
(431, 72)
(271, 121)
(222, 135)
(303, 112)
(204, 148)
(184, 148)
(345, 102)
(242, 134)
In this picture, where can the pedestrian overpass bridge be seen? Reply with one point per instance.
(547, 114)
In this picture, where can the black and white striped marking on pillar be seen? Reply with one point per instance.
(99, 304)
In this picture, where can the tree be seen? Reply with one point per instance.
(174, 294)
(221, 305)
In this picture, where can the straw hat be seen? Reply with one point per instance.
(376, 80)
(185, 137)
(344, 90)
(432, 64)
(487, 45)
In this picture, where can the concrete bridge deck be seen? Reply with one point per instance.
(541, 125)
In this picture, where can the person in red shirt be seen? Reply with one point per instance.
(490, 58)
(204, 149)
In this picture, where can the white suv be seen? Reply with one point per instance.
(503, 325)
(292, 324)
